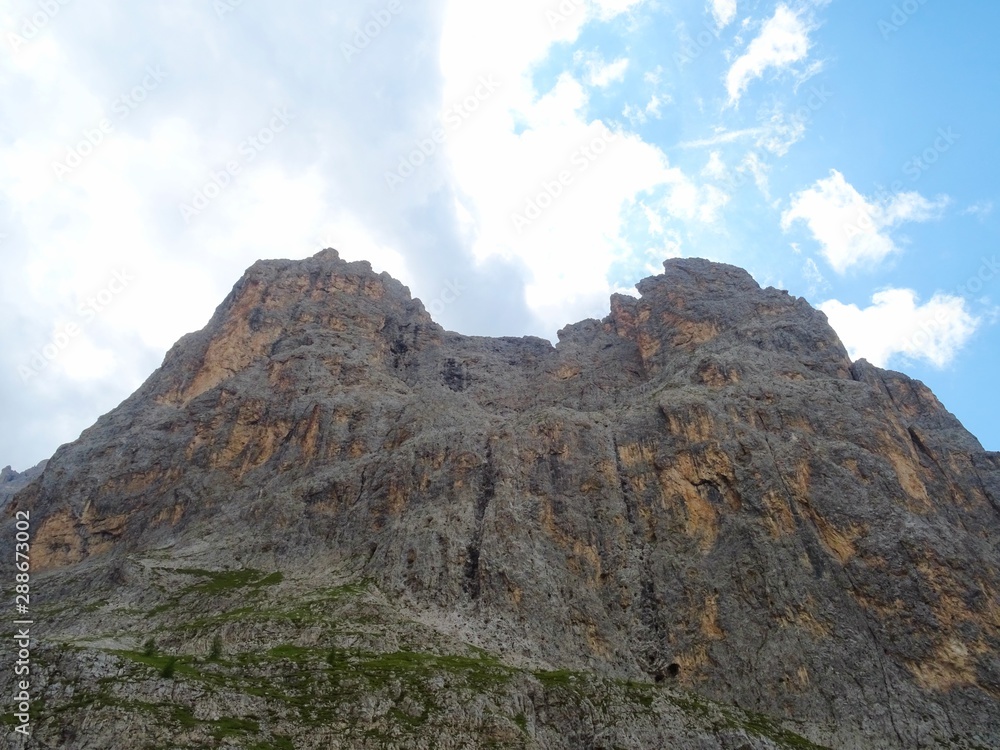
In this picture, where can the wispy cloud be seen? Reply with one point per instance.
(725, 136)
(782, 42)
(980, 210)
(812, 274)
(638, 115)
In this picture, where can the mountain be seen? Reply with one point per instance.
(11, 481)
(326, 522)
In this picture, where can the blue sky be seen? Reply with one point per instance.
(513, 163)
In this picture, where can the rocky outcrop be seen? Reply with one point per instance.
(700, 491)
(12, 481)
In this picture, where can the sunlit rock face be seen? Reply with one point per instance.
(700, 492)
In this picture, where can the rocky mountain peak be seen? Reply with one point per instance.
(11, 481)
(699, 494)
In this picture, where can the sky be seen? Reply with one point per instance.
(513, 163)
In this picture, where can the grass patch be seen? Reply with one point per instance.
(640, 692)
(161, 608)
(765, 726)
(167, 666)
(178, 717)
(218, 581)
(560, 678)
(692, 705)
(310, 610)
(184, 716)
(288, 651)
(403, 719)
(220, 728)
(478, 673)
(168, 669)
(349, 589)
(243, 613)
(278, 742)
(319, 686)
(754, 723)
(230, 727)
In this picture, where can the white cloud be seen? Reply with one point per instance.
(655, 104)
(724, 12)
(753, 164)
(715, 168)
(353, 241)
(117, 212)
(609, 9)
(551, 198)
(980, 209)
(851, 229)
(691, 202)
(602, 74)
(782, 42)
(641, 115)
(813, 276)
(568, 247)
(781, 130)
(896, 325)
(321, 185)
(812, 273)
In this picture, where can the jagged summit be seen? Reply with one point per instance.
(12, 481)
(700, 491)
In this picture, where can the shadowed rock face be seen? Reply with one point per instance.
(12, 482)
(700, 490)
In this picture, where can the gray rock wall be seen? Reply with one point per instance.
(700, 491)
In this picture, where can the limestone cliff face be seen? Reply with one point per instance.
(700, 490)
(12, 482)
